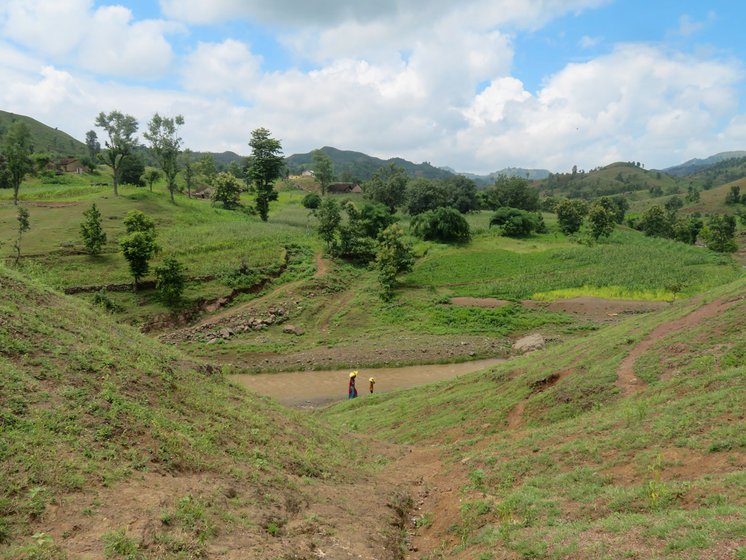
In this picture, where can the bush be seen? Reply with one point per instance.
(170, 280)
(515, 222)
(91, 231)
(442, 224)
(311, 201)
(570, 215)
(227, 189)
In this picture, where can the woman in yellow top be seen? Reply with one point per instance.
(351, 390)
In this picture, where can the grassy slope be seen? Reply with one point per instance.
(86, 403)
(43, 137)
(556, 468)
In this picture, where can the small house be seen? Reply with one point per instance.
(343, 188)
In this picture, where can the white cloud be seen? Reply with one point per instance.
(104, 40)
(218, 68)
(588, 42)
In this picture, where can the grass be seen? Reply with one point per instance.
(86, 402)
(583, 469)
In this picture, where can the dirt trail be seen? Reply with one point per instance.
(627, 380)
(322, 266)
(315, 388)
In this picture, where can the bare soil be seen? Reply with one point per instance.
(314, 388)
(599, 309)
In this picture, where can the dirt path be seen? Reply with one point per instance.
(627, 380)
(322, 265)
(316, 388)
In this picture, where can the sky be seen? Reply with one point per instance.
(475, 85)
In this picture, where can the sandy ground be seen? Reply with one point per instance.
(316, 388)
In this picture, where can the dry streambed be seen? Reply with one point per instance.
(316, 388)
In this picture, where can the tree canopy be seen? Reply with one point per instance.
(265, 166)
(120, 142)
(165, 143)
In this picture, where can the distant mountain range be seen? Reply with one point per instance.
(696, 165)
(348, 165)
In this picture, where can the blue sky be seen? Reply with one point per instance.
(476, 85)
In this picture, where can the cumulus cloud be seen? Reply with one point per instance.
(104, 40)
(219, 68)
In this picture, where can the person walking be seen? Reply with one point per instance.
(351, 389)
(372, 382)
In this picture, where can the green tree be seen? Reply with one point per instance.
(720, 233)
(655, 222)
(393, 257)
(226, 189)
(23, 226)
(734, 195)
(120, 129)
(570, 214)
(323, 169)
(92, 144)
(601, 221)
(442, 224)
(387, 186)
(170, 281)
(686, 230)
(6, 180)
(150, 176)
(190, 171)
(165, 144)
(514, 192)
(17, 152)
(462, 194)
(131, 170)
(329, 217)
(423, 194)
(206, 168)
(92, 232)
(311, 201)
(673, 204)
(514, 222)
(265, 166)
(692, 195)
(138, 248)
(135, 221)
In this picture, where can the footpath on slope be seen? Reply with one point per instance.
(627, 380)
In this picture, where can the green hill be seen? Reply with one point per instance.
(113, 445)
(43, 137)
(349, 165)
(697, 165)
(628, 443)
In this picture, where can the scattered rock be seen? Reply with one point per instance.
(292, 329)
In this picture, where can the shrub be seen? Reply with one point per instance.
(442, 224)
(515, 222)
(311, 201)
(91, 231)
(170, 280)
(227, 189)
(570, 215)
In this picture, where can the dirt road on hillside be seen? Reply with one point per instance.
(316, 388)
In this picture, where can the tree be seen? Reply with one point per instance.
(393, 257)
(120, 129)
(165, 143)
(323, 169)
(514, 222)
(673, 204)
(17, 152)
(138, 246)
(734, 195)
(135, 220)
(150, 176)
(311, 201)
(206, 167)
(601, 221)
(423, 195)
(94, 237)
(461, 194)
(131, 170)
(442, 224)
(719, 233)
(329, 218)
(23, 227)
(570, 214)
(265, 165)
(686, 230)
(514, 192)
(374, 218)
(226, 189)
(190, 170)
(692, 195)
(170, 280)
(92, 144)
(387, 186)
(655, 222)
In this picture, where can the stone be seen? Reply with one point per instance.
(292, 329)
(529, 343)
